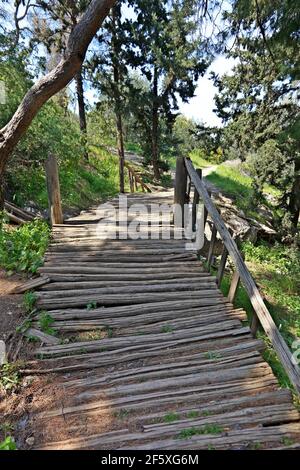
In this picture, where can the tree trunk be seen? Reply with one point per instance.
(155, 124)
(54, 81)
(81, 109)
(116, 13)
(294, 206)
(121, 152)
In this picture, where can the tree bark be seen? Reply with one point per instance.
(155, 124)
(294, 205)
(54, 81)
(116, 12)
(81, 109)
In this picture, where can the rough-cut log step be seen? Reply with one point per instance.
(147, 308)
(128, 290)
(58, 286)
(31, 284)
(173, 344)
(229, 327)
(245, 439)
(122, 299)
(43, 337)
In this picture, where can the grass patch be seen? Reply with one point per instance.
(167, 329)
(208, 429)
(171, 417)
(8, 444)
(193, 414)
(198, 160)
(276, 269)
(29, 300)
(45, 321)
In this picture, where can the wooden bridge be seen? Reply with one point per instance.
(156, 356)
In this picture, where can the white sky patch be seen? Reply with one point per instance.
(200, 108)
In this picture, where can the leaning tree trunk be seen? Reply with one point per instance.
(54, 81)
(155, 126)
(81, 110)
(294, 205)
(116, 14)
(121, 152)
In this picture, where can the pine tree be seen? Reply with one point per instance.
(168, 53)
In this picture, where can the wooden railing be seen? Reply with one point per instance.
(186, 175)
(135, 180)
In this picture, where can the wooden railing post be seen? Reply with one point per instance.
(222, 266)
(211, 246)
(55, 210)
(265, 319)
(180, 189)
(195, 203)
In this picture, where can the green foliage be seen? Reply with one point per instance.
(8, 444)
(9, 376)
(199, 159)
(276, 269)
(171, 417)
(167, 329)
(91, 305)
(193, 414)
(29, 300)
(207, 429)
(45, 321)
(23, 248)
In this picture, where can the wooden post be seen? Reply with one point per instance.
(254, 324)
(211, 246)
(222, 266)
(180, 188)
(233, 286)
(56, 215)
(195, 203)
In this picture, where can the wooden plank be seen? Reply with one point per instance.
(211, 247)
(31, 284)
(121, 299)
(180, 192)
(55, 209)
(43, 337)
(266, 320)
(233, 286)
(222, 266)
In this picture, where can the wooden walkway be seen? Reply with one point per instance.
(155, 357)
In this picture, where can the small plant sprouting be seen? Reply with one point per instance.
(110, 332)
(207, 429)
(122, 414)
(45, 321)
(213, 355)
(205, 413)
(8, 444)
(287, 441)
(167, 329)
(91, 305)
(192, 414)
(24, 326)
(171, 417)
(29, 301)
(255, 445)
(9, 376)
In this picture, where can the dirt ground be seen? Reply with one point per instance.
(16, 405)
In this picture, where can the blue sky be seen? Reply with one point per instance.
(201, 106)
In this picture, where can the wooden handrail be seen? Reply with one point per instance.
(260, 309)
(134, 179)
